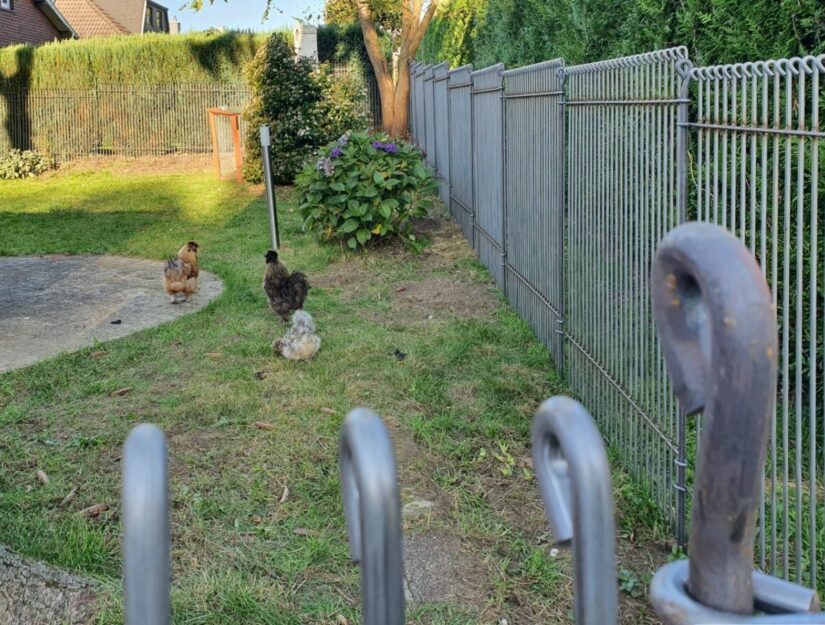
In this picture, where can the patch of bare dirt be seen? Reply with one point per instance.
(169, 164)
(438, 568)
(442, 297)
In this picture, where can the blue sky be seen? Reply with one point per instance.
(244, 14)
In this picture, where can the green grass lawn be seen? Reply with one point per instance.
(458, 406)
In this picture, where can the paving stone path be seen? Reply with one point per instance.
(55, 304)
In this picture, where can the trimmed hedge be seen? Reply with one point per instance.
(145, 60)
(520, 32)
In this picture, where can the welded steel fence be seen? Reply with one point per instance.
(534, 199)
(757, 152)
(460, 139)
(488, 168)
(564, 179)
(441, 125)
(115, 119)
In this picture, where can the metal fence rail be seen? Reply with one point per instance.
(115, 119)
(564, 179)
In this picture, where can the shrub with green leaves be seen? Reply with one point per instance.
(303, 108)
(285, 96)
(344, 102)
(365, 188)
(24, 164)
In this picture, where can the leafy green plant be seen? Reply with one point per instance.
(630, 583)
(505, 458)
(365, 188)
(24, 164)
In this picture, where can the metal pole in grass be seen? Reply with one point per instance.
(145, 515)
(266, 142)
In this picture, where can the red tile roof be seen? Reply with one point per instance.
(94, 18)
(90, 20)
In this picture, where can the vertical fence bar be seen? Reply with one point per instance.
(441, 124)
(488, 169)
(534, 209)
(459, 86)
(429, 116)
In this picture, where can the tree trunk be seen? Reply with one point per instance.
(395, 93)
(395, 104)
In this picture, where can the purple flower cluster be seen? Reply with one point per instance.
(389, 148)
(336, 152)
(325, 165)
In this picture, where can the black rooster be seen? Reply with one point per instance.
(286, 292)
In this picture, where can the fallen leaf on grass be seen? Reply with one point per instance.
(305, 532)
(41, 477)
(401, 289)
(262, 375)
(92, 512)
(215, 354)
(96, 355)
(256, 519)
(262, 425)
(341, 620)
(328, 411)
(285, 495)
(121, 391)
(69, 498)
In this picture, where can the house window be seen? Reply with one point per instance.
(6, 5)
(149, 12)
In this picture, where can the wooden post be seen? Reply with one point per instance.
(236, 141)
(216, 157)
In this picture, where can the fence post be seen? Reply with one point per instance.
(683, 69)
(561, 148)
(504, 271)
(145, 514)
(266, 142)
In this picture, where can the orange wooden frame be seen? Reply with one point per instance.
(236, 140)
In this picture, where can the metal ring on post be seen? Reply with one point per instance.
(146, 550)
(574, 479)
(677, 607)
(717, 328)
(372, 507)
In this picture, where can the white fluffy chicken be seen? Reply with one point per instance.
(300, 342)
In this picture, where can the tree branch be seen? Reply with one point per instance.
(420, 29)
(371, 41)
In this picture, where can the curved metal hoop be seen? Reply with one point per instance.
(372, 506)
(717, 328)
(146, 551)
(676, 607)
(574, 479)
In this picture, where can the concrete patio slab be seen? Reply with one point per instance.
(55, 304)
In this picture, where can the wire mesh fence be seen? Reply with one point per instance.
(115, 119)
(564, 179)
(757, 152)
(371, 94)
